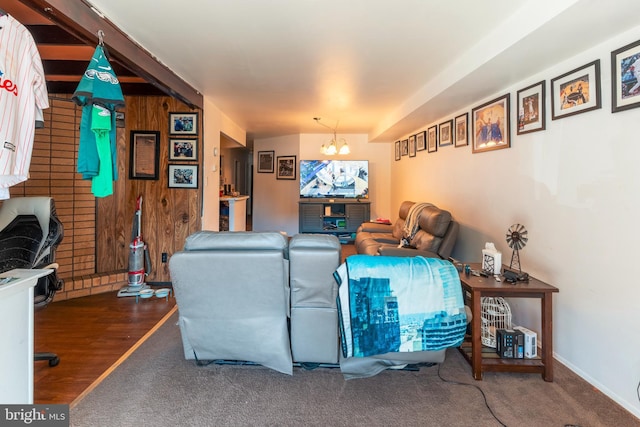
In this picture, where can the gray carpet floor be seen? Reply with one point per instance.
(156, 387)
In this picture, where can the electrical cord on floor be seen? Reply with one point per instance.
(476, 387)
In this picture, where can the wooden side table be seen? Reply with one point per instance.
(477, 287)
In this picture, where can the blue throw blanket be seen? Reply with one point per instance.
(397, 304)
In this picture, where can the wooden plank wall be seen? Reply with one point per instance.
(97, 232)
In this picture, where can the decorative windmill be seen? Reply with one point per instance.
(516, 239)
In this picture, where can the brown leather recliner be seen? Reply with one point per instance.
(435, 237)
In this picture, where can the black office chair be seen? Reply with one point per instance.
(30, 232)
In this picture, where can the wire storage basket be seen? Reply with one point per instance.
(495, 314)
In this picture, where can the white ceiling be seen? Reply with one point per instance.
(381, 67)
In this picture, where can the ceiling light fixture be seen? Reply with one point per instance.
(332, 148)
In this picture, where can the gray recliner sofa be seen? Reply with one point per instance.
(259, 297)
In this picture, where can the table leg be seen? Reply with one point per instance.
(476, 336)
(547, 337)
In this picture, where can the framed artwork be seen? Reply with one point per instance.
(421, 141)
(491, 125)
(432, 139)
(265, 161)
(531, 108)
(397, 149)
(446, 133)
(405, 147)
(183, 149)
(144, 155)
(462, 132)
(577, 91)
(183, 124)
(286, 167)
(183, 176)
(412, 146)
(625, 77)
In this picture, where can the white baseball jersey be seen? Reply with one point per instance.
(23, 96)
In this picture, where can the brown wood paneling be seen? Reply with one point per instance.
(97, 232)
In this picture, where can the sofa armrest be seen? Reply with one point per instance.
(405, 251)
(375, 227)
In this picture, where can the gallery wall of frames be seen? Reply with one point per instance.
(487, 126)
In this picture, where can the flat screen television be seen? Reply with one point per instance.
(347, 179)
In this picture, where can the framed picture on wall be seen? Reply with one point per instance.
(531, 108)
(625, 77)
(397, 150)
(286, 167)
(446, 135)
(421, 141)
(183, 176)
(183, 124)
(144, 155)
(576, 91)
(405, 147)
(265, 161)
(412, 146)
(432, 139)
(183, 149)
(462, 132)
(491, 125)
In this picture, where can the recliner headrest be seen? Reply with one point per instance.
(434, 220)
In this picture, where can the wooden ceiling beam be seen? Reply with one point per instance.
(82, 21)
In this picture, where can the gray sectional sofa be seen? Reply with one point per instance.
(260, 297)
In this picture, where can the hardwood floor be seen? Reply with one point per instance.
(89, 335)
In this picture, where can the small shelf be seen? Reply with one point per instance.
(340, 217)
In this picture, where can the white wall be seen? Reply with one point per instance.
(576, 188)
(276, 201)
(215, 122)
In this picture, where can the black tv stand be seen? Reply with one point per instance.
(340, 217)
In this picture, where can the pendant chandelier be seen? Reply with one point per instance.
(331, 148)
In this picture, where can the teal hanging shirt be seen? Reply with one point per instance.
(100, 87)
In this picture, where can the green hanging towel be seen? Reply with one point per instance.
(99, 86)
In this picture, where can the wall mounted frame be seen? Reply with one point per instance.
(530, 104)
(576, 91)
(183, 176)
(491, 130)
(625, 77)
(144, 154)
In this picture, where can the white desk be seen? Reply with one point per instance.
(237, 212)
(16, 335)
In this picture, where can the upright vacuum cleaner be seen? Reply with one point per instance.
(139, 259)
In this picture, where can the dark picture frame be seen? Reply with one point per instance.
(491, 125)
(445, 130)
(144, 155)
(183, 149)
(531, 108)
(461, 124)
(412, 146)
(576, 91)
(625, 77)
(183, 176)
(286, 167)
(397, 150)
(432, 139)
(183, 123)
(265, 161)
(421, 141)
(404, 148)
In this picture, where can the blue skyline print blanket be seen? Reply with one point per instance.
(399, 304)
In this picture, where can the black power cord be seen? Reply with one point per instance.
(486, 403)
